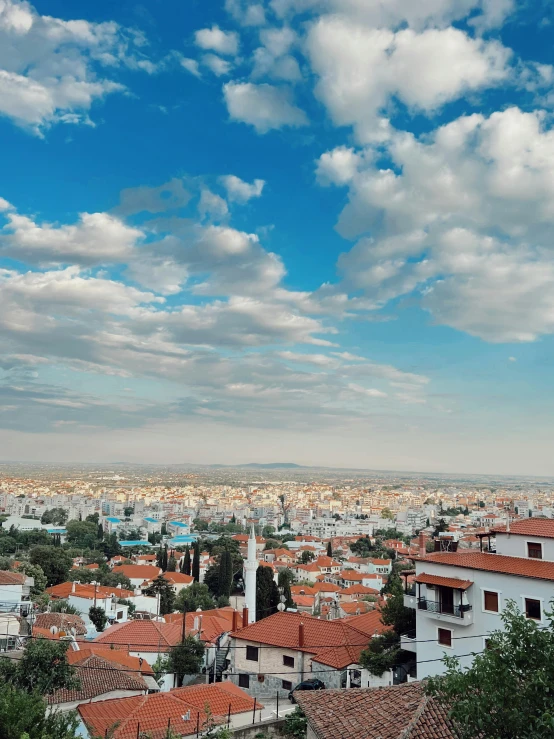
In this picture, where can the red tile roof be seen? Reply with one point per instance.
(324, 639)
(65, 589)
(62, 621)
(133, 572)
(214, 623)
(12, 578)
(117, 656)
(142, 636)
(399, 712)
(151, 713)
(543, 527)
(535, 568)
(368, 623)
(178, 578)
(98, 676)
(447, 582)
(359, 590)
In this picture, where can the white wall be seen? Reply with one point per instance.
(515, 545)
(507, 586)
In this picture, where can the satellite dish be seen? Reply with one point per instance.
(54, 629)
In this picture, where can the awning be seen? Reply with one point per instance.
(446, 582)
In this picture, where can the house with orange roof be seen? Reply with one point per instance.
(277, 652)
(179, 580)
(84, 595)
(185, 711)
(139, 575)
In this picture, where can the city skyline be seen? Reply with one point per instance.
(296, 230)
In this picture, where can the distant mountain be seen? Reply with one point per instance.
(257, 466)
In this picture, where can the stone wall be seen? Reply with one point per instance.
(267, 730)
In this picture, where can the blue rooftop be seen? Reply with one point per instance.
(111, 519)
(151, 520)
(57, 530)
(179, 523)
(183, 539)
(136, 543)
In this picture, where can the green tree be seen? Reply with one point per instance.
(268, 531)
(43, 668)
(171, 564)
(507, 691)
(128, 511)
(186, 562)
(440, 527)
(284, 580)
(225, 574)
(82, 534)
(163, 590)
(387, 513)
(55, 516)
(54, 561)
(98, 617)
(195, 569)
(194, 597)
(307, 557)
(295, 725)
(110, 546)
(93, 518)
(267, 595)
(8, 544)
(329, 549)
(63, 606)
(186, 658)
(37, 573)
(24, 715)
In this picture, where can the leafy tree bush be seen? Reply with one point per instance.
(43, 668)
(62, 606)
(507, 691)
(54, 561)
(163, 590)
(186, 658)
(296, 724)
(98, 617)
(195, 596)
(55, 516)
(37, 573)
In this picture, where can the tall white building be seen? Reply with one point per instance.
(461, 595)
(250, 567)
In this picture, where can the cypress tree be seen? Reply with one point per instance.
(185, 567)
(329, 549)
(222, 580)
(195, 569)
(267, 595)
(165, 559)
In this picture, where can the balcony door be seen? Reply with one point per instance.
(446, 596)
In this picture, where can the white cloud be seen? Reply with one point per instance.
(338, 166)
(465, 217)
(264, 106)
(4, 205)
(51, 70)
(369, 392)
(171, 195)
(97, 238)
(239, 191)
(214, 39)
(361, 68)
(212, 205)
(192, 66)
(216, 64)
(247, 13)
(273, 58)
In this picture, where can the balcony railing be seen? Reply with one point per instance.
(433, 606)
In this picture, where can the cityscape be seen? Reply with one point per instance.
(276, 369)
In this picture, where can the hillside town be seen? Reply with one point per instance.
(197, 606)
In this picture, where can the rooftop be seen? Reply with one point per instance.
(399, 712)
(535, 568)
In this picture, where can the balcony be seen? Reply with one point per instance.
(461, 614)
(408, 643)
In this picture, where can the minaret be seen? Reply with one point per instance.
(250, 567)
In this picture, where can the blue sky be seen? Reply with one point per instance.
(306, 230)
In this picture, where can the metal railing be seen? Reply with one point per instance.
(21, 609)
(433, 606)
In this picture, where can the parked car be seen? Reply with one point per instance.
(313, 684)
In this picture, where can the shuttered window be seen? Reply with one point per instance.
(491, 601)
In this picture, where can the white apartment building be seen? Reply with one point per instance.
(459, 596)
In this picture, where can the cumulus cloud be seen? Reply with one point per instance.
(246, 12)
(263, 106)
(214, 39)
(360, 68)
(53, 70)
(465, 217)
(170, 195)
(239, 191)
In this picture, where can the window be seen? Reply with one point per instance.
(288, 661)
(491, 601)
(445, 637)
(533, 609)
(286, 684)
(534, 550)
(252, 654)
(244, 681)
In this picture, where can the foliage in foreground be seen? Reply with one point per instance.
(508, 692)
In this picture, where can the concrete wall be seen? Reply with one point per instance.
(515, 545)
(268, 729)
(270, 660)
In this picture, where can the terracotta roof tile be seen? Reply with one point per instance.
(399, 712)
(543, 527)
(133, 572)
(62, 621)
(142, 636)
(12, 578)
(65, 589)
(447, 582)
(535, 568)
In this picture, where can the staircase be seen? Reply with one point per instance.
(221, 659)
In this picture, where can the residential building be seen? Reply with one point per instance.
(459, 596)
(82, 596)
(15, 593)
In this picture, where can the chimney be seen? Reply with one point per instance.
(73, 586)
(301, 635)
(245, 616)
(422, 543)
(235, 620)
